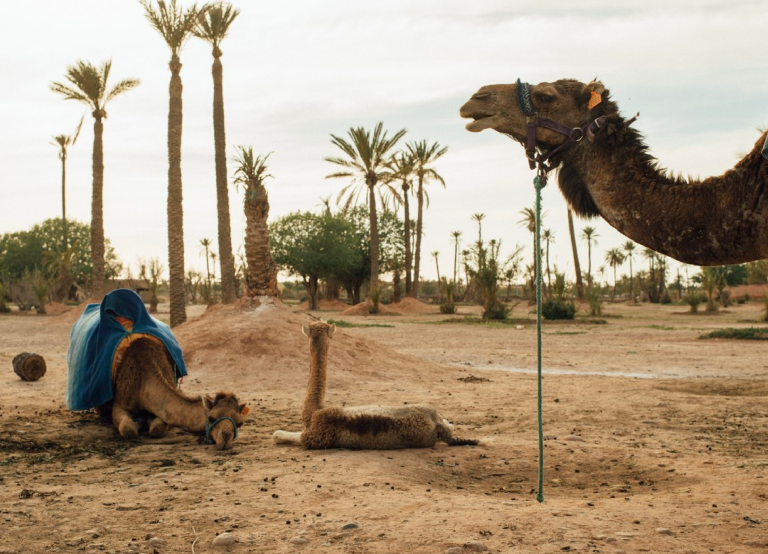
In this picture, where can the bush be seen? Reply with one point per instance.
(496, 311)
(595, 302)
(693, 299)
(375, 294)
(554, 308)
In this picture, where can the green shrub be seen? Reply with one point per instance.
(496, 311)
(553, 308)
(373, 308)
(693, 299)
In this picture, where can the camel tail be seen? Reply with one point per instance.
(445, 433)
(461, 442)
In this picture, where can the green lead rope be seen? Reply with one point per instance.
(539, 184)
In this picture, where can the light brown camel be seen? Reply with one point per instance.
(361, 427)
(143, 382)
(720, 220)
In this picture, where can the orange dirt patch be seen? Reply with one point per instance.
(362, 309)
(326, 305)
(754, 291)
(56, 308)
(412, 306)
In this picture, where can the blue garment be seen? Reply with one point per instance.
(94, 339)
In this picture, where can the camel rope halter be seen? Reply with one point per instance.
(210, 425)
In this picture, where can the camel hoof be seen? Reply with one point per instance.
(128, 429)
(158, 428)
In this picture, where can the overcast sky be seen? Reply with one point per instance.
(297, 71)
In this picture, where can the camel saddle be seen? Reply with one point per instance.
(98, 339)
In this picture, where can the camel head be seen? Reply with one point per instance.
(567, 101)
(317, 329)
(225, 416)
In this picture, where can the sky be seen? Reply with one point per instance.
(297, 71)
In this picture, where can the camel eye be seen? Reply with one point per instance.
(546, 98)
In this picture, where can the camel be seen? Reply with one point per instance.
(716, 221)
(144, 385)
(361, 427)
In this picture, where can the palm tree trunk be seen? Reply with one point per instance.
(419, 224)
(175, 208)
(374, 236)
(439, 282)
(589, 264)
(261, 273)
(64, 198)
(97, 208)
(549, 275)
(631, 281)
(226, 259)
(408, 255)
(455, 268)
(576, 265)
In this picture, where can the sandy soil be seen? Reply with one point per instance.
(655, 441)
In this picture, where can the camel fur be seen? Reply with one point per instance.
(361, 427)
(716, 221)
(144, 385)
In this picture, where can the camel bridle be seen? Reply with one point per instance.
(210, 425)
(574, 134)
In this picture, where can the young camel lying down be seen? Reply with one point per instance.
(360, 427)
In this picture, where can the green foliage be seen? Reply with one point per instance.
(595, 302)
(447, 288)
(346, 324)
(749, 333)
(486, 271)
(757, 272)
(375, 295)
(497, 311)
(693, 299)
(556, 308)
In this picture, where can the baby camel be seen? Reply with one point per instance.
(360, 427)
(143, 384)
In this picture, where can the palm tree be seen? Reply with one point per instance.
(88, 84)
(261, 271)
(629, 248)
(576, 264)
(455, 235)
(402, 170)
(435, 254)
(212, 27)
(205, 244)
(529, 222)
(479, 217)
(423, 154)
(549, 238)
(589, 235)
(63, 142)
(366, 162)
(175, 25)
(213, 264)
(614, 258)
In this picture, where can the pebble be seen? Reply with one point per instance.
(574, 438)
(475, 547)
(663, 531)
(225, 539)
(299, 540)
(624, 535)
(349, 526)
(455, 550)
(156, 542)
(92, 532)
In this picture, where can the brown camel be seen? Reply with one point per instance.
(143, 381)
(715, 221)
(361, 427)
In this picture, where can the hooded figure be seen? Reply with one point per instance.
(96, 339)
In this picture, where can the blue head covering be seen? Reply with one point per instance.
(96, 336)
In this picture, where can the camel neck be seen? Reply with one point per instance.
(684, 219)
(173, 406)
(318, 360)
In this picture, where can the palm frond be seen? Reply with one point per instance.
(121, 87)
(213, 24)
(70, 93)
(77, 131)
(174, 23)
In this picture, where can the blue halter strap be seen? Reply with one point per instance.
(210, 425)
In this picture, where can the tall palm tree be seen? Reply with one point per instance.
(367, 162)
(614, 257)
(175, 25)
(576, 264)
(435, 254)
(629, 249)
(529, 222)
(205, 244)
(88, 84)
(424, 154)
(212, 26)
(456, 235)
(261, 271)
(589, 235)
(549, 238)
(63, 142)
(479, 217)
(402, 169)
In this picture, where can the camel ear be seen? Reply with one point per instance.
(331, 330)
(243, 409)
(208, 403)
(305, 330)
(595, 89)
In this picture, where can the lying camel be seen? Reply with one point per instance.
(143, 383)
(361, 427)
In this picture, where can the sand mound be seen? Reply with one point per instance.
(72, 314)
(252, 344)
(56, 308)
(410, 305)
(362, 309)
(326, 305)
(756, 292)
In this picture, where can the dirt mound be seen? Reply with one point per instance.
(252, 344)
(410, 305)
(56, 308)
(326, 305)
(362, 309)
(756, 292)
(73, 313)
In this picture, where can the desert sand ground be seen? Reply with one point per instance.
(656, 441)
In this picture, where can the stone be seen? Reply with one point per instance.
(349, 526)
(156, 542)
(663, 531)
(225, 539)
(574, 438)
(624, 535)
(299, 540)
(475, 547)
(455, 550)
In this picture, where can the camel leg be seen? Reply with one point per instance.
(157, 428)
(124, 423)
(286, 437)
